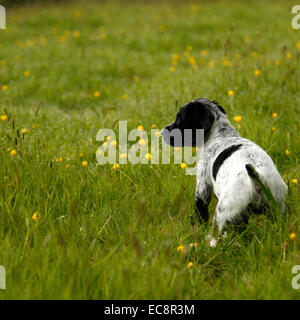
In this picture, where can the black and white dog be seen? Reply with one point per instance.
(234, 167)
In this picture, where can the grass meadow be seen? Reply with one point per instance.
(72, 229)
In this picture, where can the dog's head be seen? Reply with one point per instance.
(198, 114)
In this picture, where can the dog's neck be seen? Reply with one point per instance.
(221, 130)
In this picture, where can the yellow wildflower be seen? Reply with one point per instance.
(226, 63)
(230, 93)
(238, 119)
(76, 34)
(3, 118)
(84, 163)
(153, 126)
(288, 55)
(192, 61)
(142, 142)
(4, 87)
(211, 64)
(274, 115)
(67, 166)
(113, 143)
(172, 69)
(180, 248)
(140, 128)
(204, 53)
(190, 265)
(277, 63)
(13, 153)
(293, 236)
(273, 129)
(26, 73)
(25, 131)
(287, 152)
(148, 156)
(81, 155)
(294, 181)
(97, 94)
(36, 217)
(124, 96)
(183, 166)
(116, 166)
(256, 73)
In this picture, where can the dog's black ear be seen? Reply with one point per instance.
(219, 106)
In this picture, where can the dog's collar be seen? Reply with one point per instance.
(222, 157)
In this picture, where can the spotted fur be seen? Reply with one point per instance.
(233, 184)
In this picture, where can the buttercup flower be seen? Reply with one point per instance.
(84, 163)
(226, 63)
(13, 153)
(4, 87)
(153, 126)
(204, 53)
(36, 217)
(148, 156)
(287, 152)
(142, 142)
(76, 34)
(238, 119)
(190, 265)
(273, 129)
(81, 155)
(116, 166)
(172, 69)
(277, 63)
(183, 166)
(211, 64)
(230, 93)
(294, 181)
(192, 61)
(60, 159)
(180, 248)
(97, 94)
(3, 118)
(113, 143)
(293, 236)
(288, 55)
(26, 73)
(256, 73)
(25, 131)
(274, 115)
(67, 166)
(140, 128)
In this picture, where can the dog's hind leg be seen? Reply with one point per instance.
(202, 199)
(230, 208)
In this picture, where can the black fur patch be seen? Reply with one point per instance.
(194, 115)
(201, 210)
(222, 157)
(219, 106)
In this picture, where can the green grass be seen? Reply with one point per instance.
(107, 234)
